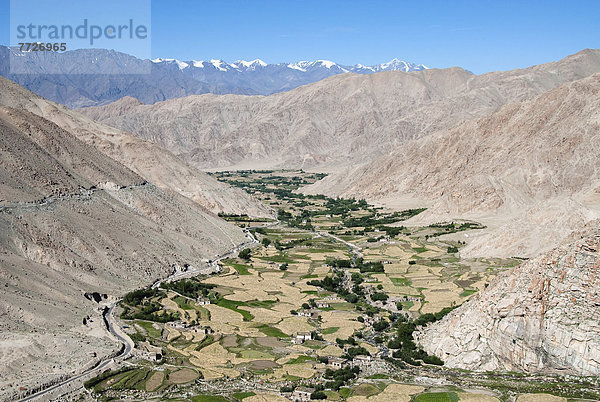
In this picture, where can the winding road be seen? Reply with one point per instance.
(127, 344)
(357, 251)
(126, 348)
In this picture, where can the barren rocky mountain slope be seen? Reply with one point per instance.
(541, 316)
(154, 163)
(531, 168)
(74, 221)
(339, 121)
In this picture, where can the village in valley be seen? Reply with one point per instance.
(324, 305)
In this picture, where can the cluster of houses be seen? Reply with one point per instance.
(369, 321)
(314, 313)
(336, 363)
(302, 394)
(199, 329)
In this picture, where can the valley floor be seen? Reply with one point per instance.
(325, 302)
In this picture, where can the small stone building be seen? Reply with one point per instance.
(322, 304)
(362, 361)
(302, 394)
(336, 363)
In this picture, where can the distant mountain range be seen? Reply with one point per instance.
(259, 78)
(85, 81)
(255, 66)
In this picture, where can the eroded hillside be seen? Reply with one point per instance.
(530, 171)
(74, 222)
(150, 161)
(340, 121)
(539, 316)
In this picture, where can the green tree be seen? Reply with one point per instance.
(245, 254)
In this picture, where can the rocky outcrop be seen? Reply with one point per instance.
(543, 315)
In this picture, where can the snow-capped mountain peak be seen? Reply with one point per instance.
(357, 68)
(179, 63)
(248, 65)
(256, 62)
(297, 66)
(301, 66)
(258, 77)
(220, 64)
(326, 63)
(398, 65)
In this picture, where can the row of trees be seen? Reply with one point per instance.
(360, 263)
(374, 219)
(149, 312)
(189, 288)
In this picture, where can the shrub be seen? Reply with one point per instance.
(357, 351)
(380, 325)
(351, 298)
(379, 296)
(245, 254)
(137, 296)
(433, 360)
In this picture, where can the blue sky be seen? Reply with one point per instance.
(477, 35)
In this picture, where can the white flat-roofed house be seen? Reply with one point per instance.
(306, 313)
(336, 363)
(177, 324)
(203, 301)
